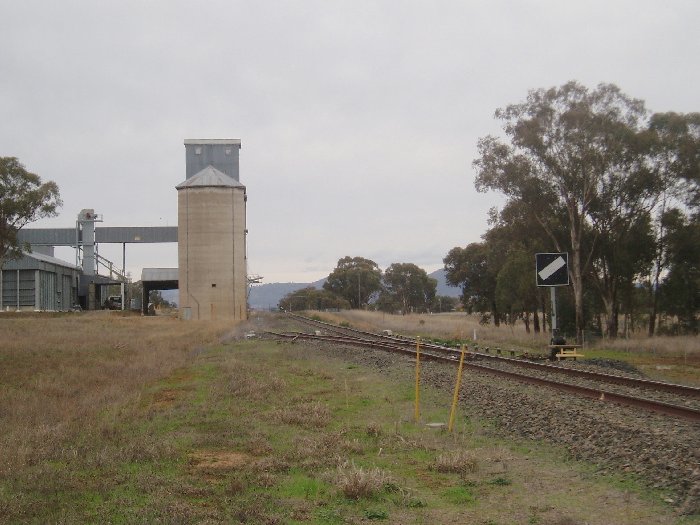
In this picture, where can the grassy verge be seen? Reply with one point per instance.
(674, 368)
(259, 432)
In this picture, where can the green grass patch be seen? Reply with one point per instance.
(459, 495)
(301, 485)
(500, 482)
(376, 514)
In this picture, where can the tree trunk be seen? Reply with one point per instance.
(612, 310)
(526, 319)
(658, 263)
(654, 300)
(536, 321)
(608, 330)
(577, 282)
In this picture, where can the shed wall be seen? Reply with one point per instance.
(53, 289)
(22, 280)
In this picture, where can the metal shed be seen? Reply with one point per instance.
(38, 282)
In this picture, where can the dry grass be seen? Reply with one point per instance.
(672, 346)
(59, 372)
(319, 450)
(312, 414)
(452, 326)
(374, 430)
(357, 482)
(457, 461)
(244, 383)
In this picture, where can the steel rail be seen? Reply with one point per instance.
(674, 388)
(591, 393)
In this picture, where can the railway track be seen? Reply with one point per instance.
(664, 398)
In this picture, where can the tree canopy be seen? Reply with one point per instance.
(355, 279)
(310, 298)
(407, 288)
(359, 282)
(23, 199)
(589, 172)
(470, 268)
(577, 158)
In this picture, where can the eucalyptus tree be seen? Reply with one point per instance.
(676, 157)
(516, 236)
(569, 149)
(516, 292)
(409, 287)
(680, 288)
(355, 279)
(310, 298)
(474, 269)
(678, 152)
(620, 257)
(23, 199)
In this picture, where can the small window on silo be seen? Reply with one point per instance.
(198, 150)
(213, 285)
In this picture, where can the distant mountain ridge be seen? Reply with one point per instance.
(267, 296)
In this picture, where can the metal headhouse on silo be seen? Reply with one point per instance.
(212, 233)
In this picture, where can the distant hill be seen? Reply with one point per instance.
(442, 287)
(266, 296)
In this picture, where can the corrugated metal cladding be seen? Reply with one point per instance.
(47, 298)
(159, 274)
(38, 282)
(22, 280)
(220, 153)
(10, 281)
(136, 234)
(48, 236)
(66, 236)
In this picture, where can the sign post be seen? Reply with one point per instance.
(417, 401)
(552, 270)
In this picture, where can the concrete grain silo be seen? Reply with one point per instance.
(212, 246)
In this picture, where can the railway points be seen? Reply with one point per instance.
(669, 399)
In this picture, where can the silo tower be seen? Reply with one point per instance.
(220, 153)
(212, 237)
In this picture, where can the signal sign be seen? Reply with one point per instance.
(552, 269)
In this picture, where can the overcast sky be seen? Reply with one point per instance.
(358, 119)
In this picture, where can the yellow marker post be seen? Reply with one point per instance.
(417, 407)
(455, 397)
